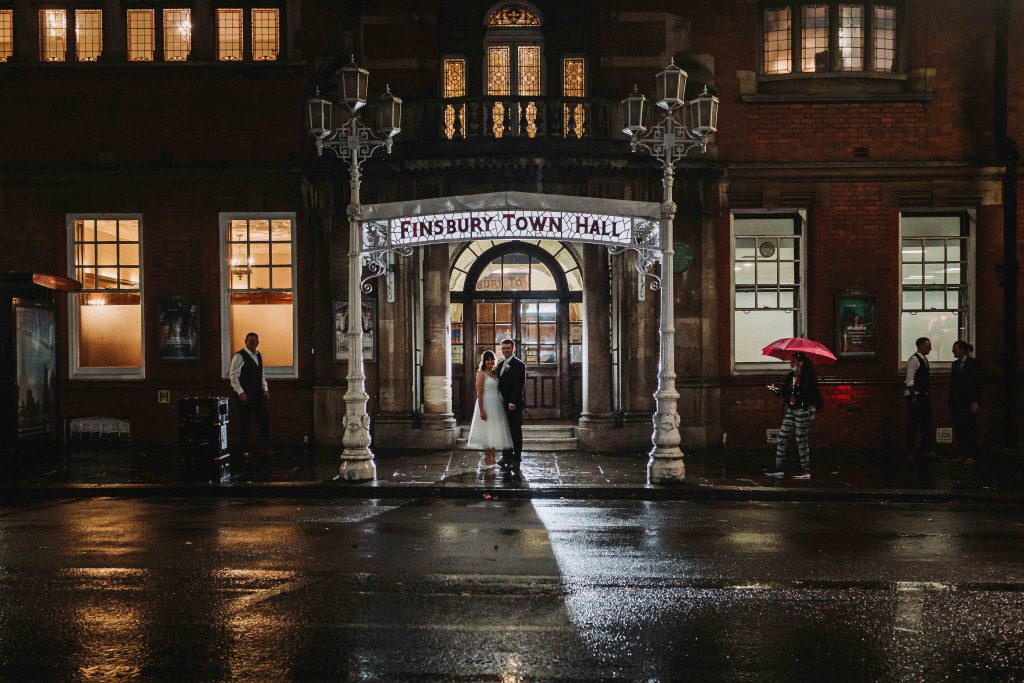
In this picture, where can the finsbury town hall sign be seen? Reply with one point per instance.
(510, 216)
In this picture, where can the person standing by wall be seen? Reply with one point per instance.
(248, 381)
(964, 397)
(919, 404)
(802, 398)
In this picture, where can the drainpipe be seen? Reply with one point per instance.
(1009, 154)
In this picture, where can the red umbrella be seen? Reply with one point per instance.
(783, 349)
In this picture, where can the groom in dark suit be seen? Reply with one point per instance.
(512, 387)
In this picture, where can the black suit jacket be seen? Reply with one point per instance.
(965, 381)
(512, 383)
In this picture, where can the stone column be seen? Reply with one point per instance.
(393, 424)
(438, 426)
(115, 38)
(26, 32)
(596, 419)
(203, 48)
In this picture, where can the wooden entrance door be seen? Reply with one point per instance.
(534, 325)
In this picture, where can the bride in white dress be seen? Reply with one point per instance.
(489, 429)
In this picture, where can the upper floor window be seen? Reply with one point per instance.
(106, 315)
(258, 279)
(513, 67)
(6, 34)
(88, 34)
(829, 37)
(936, 267)
(264, 34)
(574, 72)
(513, 15)
(177, 34)
(768, 272)
(53, 35)
(141, 35)
(454, 86)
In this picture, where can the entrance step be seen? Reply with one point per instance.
(543, 437)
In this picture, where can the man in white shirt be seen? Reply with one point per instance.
(248, 381)
(919, 403)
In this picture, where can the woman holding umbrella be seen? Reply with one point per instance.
(802, 399)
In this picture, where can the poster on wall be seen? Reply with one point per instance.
(36, 350)
(341, 327)
(179, 329)
(856, 324)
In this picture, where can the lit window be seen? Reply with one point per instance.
(935, 270)
(53, 35)
(141, 35)
(885, 39)
(454, 75)
(851, 37)
(6, 34)
(88, 34)
(814, 38)
(778, 24)
(513, 15)
(828, 36)
(498, 71)
(229, 35)
(767, 277)
(457, 333)
(177, 34)
(573, 85)
(106, 316)
(259, 276)
(575, 332)
(266, 32)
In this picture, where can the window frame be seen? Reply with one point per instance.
(75, 370)
(226, 350)
(800, 215)
(969, 220)
(514, 37)
(9, 9)
(247, 7)
(898, 72)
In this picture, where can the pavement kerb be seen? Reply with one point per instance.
(681, 492)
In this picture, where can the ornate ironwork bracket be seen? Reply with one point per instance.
(353, 142)
(647, 245)
(379, 257)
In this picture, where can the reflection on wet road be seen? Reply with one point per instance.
(493, 590)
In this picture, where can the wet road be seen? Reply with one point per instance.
(509, 591)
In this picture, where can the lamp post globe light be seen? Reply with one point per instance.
(354, 142)
(685, 126)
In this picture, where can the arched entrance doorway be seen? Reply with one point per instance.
(530, 292)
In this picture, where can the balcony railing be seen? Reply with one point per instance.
(573, 118)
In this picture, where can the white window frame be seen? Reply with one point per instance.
(941, 367)
(769, 367)
(75, 370)
(284, 372)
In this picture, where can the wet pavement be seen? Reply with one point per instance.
(509, 590)
(710, 474)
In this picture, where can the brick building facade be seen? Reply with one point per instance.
(852, 141)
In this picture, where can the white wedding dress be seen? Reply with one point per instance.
(492, 432)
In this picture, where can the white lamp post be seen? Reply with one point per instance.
(669, 141)
(354, 143)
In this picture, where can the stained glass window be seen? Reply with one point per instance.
(573, 85)
(177, 34)
(141, 35)
(454, 85)
(229, 35)
(498, 71)
(53, 35)
(88, 34)
(6, 34)
(513, 15)
(266, 34)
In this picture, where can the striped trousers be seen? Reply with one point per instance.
(797, 420)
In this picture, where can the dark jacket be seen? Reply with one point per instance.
(965, 381)
(512, 384)
(806, 394)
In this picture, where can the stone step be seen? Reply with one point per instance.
(536, 438)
